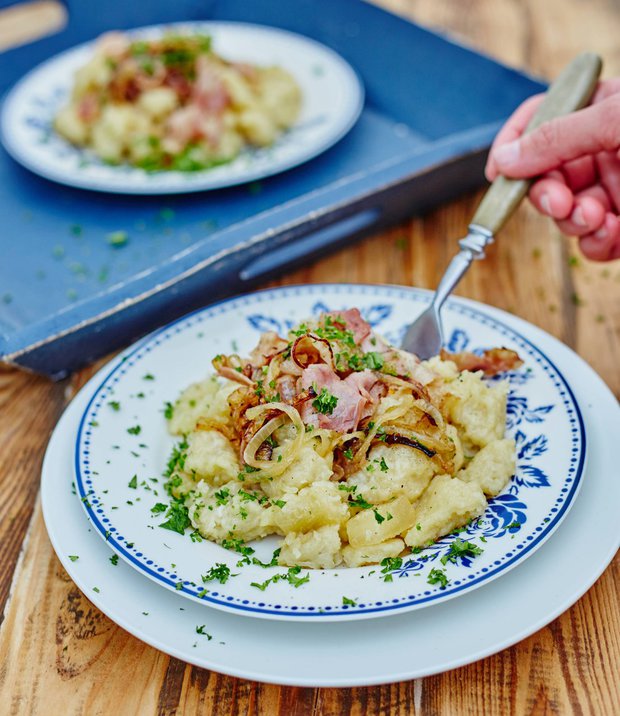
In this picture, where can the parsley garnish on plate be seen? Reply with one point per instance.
(438, 576)
(460, 548)
(74, 557)
(346, 602)
(115, 405)
(135, 430)
(114, 559)
(201, 630)
(133, 483)
(178, 519)
(390, 564)
(290, 576)
(168, 410)
(220, 572)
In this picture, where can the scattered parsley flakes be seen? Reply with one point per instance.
(178, 519)
(115, 405)
(201, 630)
(148, 376)
(390, 564)
(117, 239)
(459, 549)
(383, 465)
(438, 576)
(158, 507)
(133, 483)
(168, 410)
(135, 430)
(74, 557)
(346, 602)
(219, 572)
(96, 589)
(114, 559)
(290, 576)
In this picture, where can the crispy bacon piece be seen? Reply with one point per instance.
(491, 362)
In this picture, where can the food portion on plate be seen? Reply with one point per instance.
(352, 450)
(172, 103)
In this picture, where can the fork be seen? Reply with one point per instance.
(571, 91)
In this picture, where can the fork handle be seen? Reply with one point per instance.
(572, 90)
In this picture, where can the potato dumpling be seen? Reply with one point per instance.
(477, 411)
(447, 504)
(309, 467)
(230, 511)
(318, 504)
(491, 468)
(373, 526)
(210, 456)
(206, 399)
(319, 549)
(373, 553)
(393, 470)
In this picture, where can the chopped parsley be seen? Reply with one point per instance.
(133, 483)
(348, 453)
(221, 496)
(373, 360)
(460, 548)
(114, 559)
(383, 465)
(168, 410)
(390, 564)
(135, 430)
(178, 519)
(219, 572)
(158, 507)
(346, 602)
(438, 576)
(201, 630)
(117, 239)
(74, 557)
(115, 405)
(325, 402)
(290, 576)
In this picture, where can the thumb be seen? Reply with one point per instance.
(588, 131)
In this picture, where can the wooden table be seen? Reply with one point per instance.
(59, 655)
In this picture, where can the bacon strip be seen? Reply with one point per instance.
(491, 362)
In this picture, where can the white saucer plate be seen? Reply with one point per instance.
(397, 648)
(123, 446)
(333, 97)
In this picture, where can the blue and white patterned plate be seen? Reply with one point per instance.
(333, 98)
(543, 417)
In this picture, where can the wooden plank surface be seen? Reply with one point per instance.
(60, 655)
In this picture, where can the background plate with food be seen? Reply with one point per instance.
(126, 459)
(180, 108)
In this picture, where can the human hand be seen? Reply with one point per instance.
(576, 160)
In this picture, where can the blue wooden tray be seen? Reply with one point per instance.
(67, 296)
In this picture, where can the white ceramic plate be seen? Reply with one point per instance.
(397, 648)
(333, 97)
(543, 416)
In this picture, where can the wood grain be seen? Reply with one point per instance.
(60, 655)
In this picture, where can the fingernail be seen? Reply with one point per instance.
(545, 204)
(508, 153)
(601, 233)
(578, 218)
